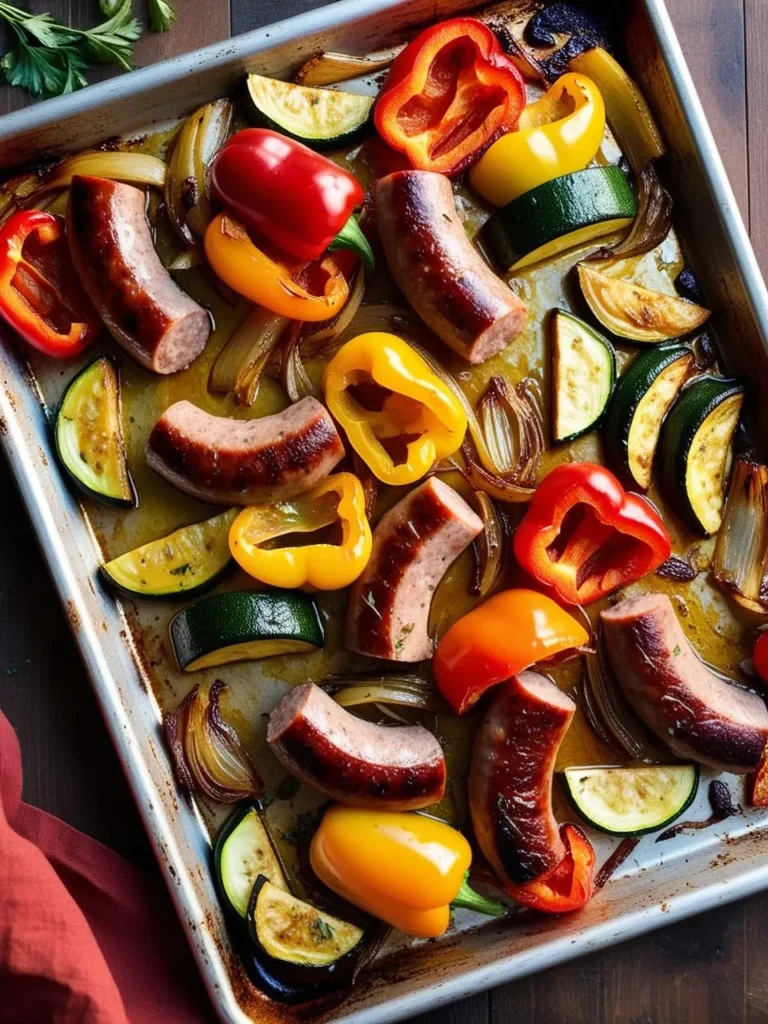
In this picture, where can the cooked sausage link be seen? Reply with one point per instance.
(112, 250)
(354, 761)
(244, 462)
(439, 271)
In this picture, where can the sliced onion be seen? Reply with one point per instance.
(321, 340)
(207, 753)
(596, 721)
(513, 428)
(293, 375)
(241, 362)
(187, 193)
(741, 554)
(329, 68)
(406, 690)
(620, 720)
(135, 168)
(652, 223)
(488, 549)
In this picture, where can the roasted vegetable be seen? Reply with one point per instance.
(583, 376)
(740, 564)
(244, 850)
(89, 435)
(630, 311)
(406, 869)
(183, 563)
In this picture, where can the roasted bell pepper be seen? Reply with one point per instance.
(448, 94)
(566, 887)
(584, 536)
(405, 869)
(298, 199)
(270, 280)
(40, 294)
(339, 499)
(558, 134)
(511, 631)
(398, 415)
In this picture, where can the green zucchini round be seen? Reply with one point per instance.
(643, 395)
(559, 215)
(320, 118)
(632, 801)
(694, 448)
(89, 435)
(243, 625)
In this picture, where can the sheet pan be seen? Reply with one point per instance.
(660, 884)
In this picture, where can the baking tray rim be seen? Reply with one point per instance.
(558, 949)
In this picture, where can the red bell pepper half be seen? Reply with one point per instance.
(448, 95)
(40, 294)
(296, 198)
(567, 887)
(585, 536)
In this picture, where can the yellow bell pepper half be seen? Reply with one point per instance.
(403, 868)
(323, 566)
(557, 135)
(398, 415)
(267, 281)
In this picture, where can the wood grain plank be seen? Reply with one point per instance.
(711, 33)
(756, 29)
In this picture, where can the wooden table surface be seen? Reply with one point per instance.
(709, 970)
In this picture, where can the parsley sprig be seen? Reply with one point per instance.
(48, 58)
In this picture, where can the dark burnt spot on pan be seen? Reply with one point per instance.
(394, 556)
(73, 616)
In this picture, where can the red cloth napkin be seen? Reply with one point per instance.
(85, 937)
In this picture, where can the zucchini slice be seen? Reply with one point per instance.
(695, 447)
(640, 402)
(320, 118)
(632, 801)
(559, 215)
(185, 562)
(638, 314)
(89, 435)
(244, 625)
(300, 943)
(583, 373)
(243, 851)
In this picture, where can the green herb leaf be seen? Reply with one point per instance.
(112, 41)
(109, 7)
(323, 929)
(161, 14)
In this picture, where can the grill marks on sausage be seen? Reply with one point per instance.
(436, 267)
(510, 782)
(245, 461)
(413, 546)
(112, 250)
(354, 761)
(697, 714)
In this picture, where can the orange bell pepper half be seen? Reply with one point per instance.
(40, 293)
(449, 94)
(584, 536)
(507, 634)
(271, 279)
(567, 887)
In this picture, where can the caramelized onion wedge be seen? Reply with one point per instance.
(186, 189)
(741, 555)
(245, 354)
(133, 168)
(330, 68)
(652, 223)
(630, 311)
(207, 753)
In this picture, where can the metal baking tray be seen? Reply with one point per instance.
(659, 884)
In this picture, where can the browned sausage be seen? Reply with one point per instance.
(144, 309)
(510, 781)
(354, 761)
(244, 462)
(439, 271)
(697, 714)
(413, 546)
